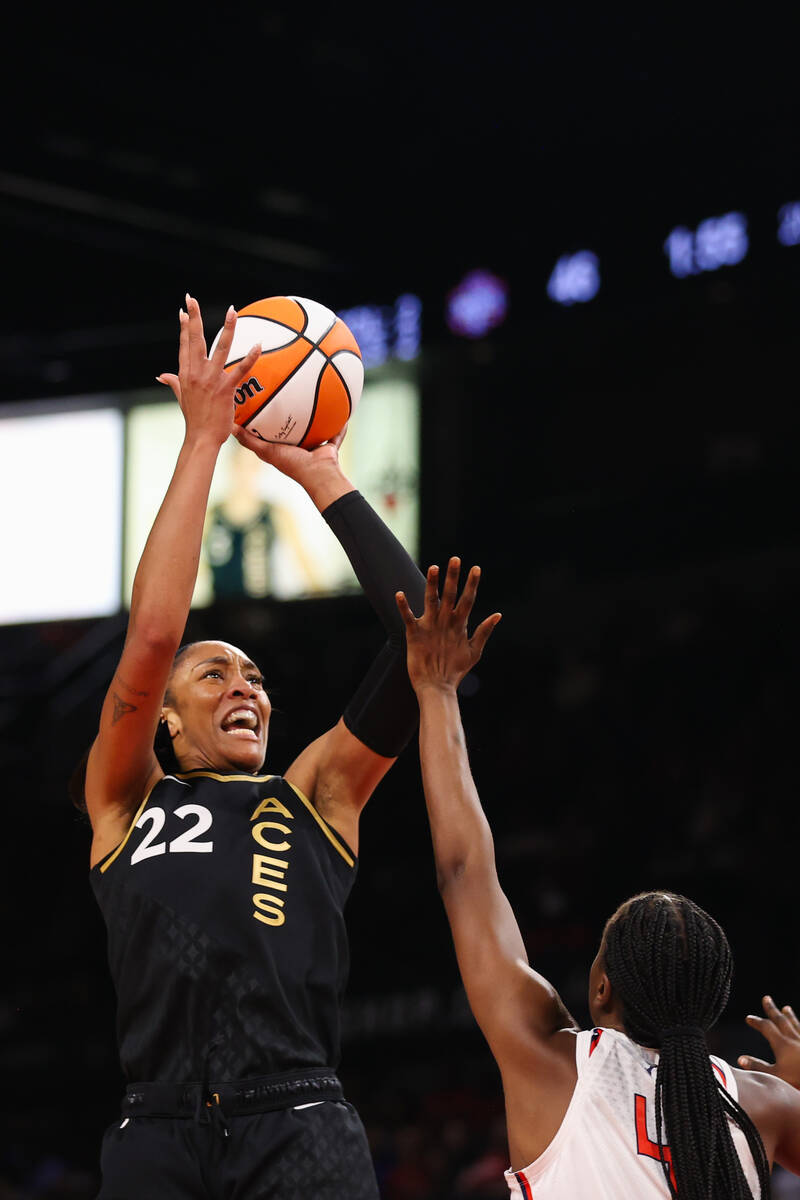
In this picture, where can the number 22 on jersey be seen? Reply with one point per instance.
(185, 843)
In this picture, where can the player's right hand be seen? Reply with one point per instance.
(202, 387)
(781, 1028)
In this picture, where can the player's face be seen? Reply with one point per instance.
(220, 711)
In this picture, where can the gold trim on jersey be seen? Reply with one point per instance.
(222, 778)
(332, 838)
(104, 867)
(326, 829)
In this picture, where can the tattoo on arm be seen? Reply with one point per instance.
(134, 691)
(121, 707)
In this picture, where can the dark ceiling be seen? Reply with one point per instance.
(350, 153)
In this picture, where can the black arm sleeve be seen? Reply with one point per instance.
(383, 713)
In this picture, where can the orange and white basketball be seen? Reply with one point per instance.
(308, 379)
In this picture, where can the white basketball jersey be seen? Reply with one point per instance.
(606, 1145)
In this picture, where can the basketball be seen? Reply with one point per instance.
(307, 381)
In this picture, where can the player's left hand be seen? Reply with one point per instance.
(781, 1028)
(295, 461)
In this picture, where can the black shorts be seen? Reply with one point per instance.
(315, 1150)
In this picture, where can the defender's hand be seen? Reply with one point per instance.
(202, 388)
(781, 1028)
(439, 649)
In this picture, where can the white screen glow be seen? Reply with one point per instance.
(61, 496)
(263, 536)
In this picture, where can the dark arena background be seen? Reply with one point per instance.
(575, 233)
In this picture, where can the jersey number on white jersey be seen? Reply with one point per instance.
(644, 1143)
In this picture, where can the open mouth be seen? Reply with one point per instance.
(242, 723)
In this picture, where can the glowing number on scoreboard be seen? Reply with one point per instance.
(185, 843)
(717, 242)
(789, 224)
(575, 278)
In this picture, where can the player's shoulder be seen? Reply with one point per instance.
(599, 1040)
(773, 1106)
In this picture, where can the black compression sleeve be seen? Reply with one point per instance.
(384, 713)
(382, 565)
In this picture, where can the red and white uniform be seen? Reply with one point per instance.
(606, 1145)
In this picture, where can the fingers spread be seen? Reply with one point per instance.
(450, 588)
(220, 355)
(245, 365)
(467, 598)
(791, 1017)
(432, 590)
(405, 609)
(197, 341)
(748, 1063)
(482, 634)
(767, 1029)
(774, 1014)
(171, 381)
(183, 340)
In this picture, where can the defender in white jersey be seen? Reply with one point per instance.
(635, 1107)
(606, 1145)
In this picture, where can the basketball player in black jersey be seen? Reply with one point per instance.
(223, 886)
(660, 980)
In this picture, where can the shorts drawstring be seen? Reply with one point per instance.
(216, 1116)
(209, 1110)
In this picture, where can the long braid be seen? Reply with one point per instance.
(671, 965)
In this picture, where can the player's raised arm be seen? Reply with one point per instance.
(340, 770)
(514, 1006)
(122, 764)
(781, 1028)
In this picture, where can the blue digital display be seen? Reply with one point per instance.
(789, 224)
(575, 278)
(717, 242)
(385, 332)
(477, 304)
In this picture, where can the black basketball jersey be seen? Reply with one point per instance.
(226, 936)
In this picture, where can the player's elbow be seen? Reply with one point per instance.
(474, 868)
(155, 638)
(450, 873)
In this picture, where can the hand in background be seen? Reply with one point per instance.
(440, 650)
(781, 1028)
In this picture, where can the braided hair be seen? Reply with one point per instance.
(671, 966)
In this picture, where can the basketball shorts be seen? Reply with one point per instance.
(318, 1149)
